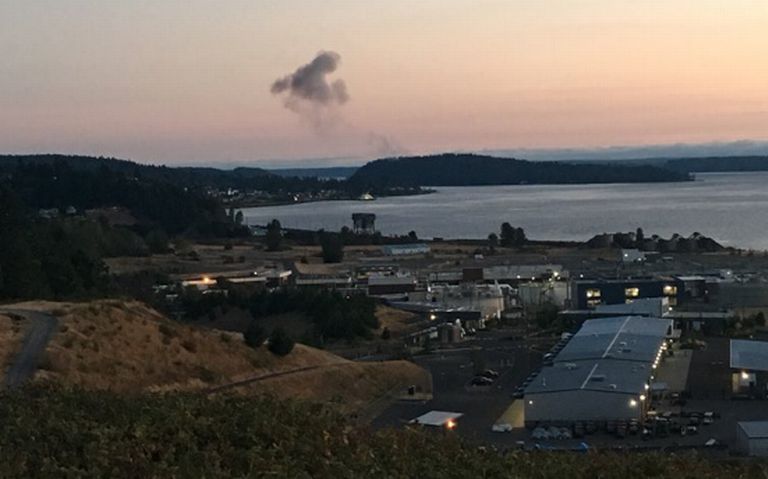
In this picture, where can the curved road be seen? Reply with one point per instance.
(42, 327)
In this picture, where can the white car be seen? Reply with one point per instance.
(502, 427)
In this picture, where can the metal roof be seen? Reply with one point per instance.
(606, 375)
(751, 355)
(755, 429)
(437, 418)
(606, 354)
(639, 307)
(629, 338)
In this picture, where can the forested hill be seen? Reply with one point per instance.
(187, 176)
(718, 164)
(469, 170)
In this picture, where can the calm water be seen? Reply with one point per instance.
(730, 207)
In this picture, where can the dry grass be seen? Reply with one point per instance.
(348, 385)
(128, 347)
(12, 331)
(125, 346)
(396, 320)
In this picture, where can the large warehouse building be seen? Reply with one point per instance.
(603, 373)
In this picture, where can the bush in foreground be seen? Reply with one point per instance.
(54, 433)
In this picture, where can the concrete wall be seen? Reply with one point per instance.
(581, 405)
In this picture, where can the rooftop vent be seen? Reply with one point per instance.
(612, 386)
(598, 377)
(571, 366)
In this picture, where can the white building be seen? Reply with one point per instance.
(604, 373)
(752, 438)
(405, 249)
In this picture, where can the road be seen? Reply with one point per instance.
(41, 329)
(245, 382)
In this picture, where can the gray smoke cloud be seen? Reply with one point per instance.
(308, 86)
(317, 100)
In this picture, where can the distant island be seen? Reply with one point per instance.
(718, 164)
(478, 170)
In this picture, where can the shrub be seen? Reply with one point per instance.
(254, 335)
(189, 345)
(280, 344)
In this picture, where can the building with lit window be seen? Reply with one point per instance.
(604, 373)
(749, 367)
(587, 294)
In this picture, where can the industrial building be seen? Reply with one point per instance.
(749, 367)
(587, 294)
(391, 284)
(604, 373)
(405, 249)
(752, 438)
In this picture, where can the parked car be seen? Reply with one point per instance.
(481, 381)
(502, 427)
(490, 373)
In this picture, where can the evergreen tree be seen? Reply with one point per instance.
(280, 344)
(254, 335)
(274, 236)
(332, 247)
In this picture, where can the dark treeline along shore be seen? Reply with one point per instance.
(477, 170)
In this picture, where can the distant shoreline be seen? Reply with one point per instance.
(249, 204)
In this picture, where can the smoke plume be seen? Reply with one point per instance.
(317, 100)
(308, 86)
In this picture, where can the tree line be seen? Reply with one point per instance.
(334, 316)
(469, 170)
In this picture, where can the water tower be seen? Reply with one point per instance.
(364, 223)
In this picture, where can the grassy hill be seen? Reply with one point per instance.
(12, 330)
(127, 347)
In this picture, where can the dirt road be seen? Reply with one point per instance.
(42, 328)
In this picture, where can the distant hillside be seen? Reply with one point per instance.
(471, 170)
(336, 172)
(718, 164)
(186, 176)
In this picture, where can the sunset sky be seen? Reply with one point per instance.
(188, 81)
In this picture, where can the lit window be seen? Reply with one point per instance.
(631, 292)
(593, 293)
(670, 290)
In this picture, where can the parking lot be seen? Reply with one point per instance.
(452, 372)
(702, 378)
